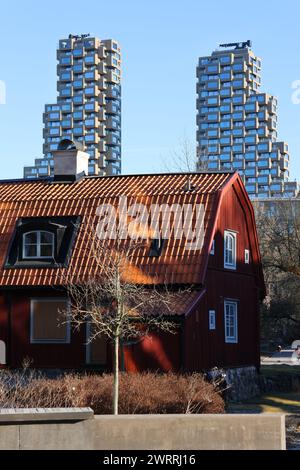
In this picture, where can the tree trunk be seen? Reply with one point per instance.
(116, 376)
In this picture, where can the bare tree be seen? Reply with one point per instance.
(279, 230)
(278, 224)
(116, 307)
(202, 158)
(184, 159)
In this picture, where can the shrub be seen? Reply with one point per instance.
(139, 393)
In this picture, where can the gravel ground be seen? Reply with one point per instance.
(293, 432)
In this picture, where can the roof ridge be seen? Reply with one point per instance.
(129, 175)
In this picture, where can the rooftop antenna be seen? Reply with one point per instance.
(78, 36)
(238, 45)
(188, 186)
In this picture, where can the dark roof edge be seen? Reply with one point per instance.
(51, 179)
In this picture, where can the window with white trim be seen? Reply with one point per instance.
(247, 256)
(230, 321)
(229, 250)
(49, 320)
(38, 244)
(212, 319)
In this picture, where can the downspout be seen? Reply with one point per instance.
(9, 330)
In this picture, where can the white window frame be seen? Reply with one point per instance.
(67, 339)
(247, 256)
(211, 320)
(233, 236)
(212, 250)
(229, 303)
(38, 245)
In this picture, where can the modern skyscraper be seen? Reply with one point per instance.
(88, 107)
(237, 124)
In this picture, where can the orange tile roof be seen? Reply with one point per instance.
(82, 198)
(178, 303)
(185, 301)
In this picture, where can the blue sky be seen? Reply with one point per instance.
(161, 41)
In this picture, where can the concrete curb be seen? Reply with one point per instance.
(23, 415)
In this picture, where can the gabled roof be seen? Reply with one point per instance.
(176, 265)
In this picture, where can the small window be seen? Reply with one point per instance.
(247, 256)
(212, 319)
(47, 323)
(229, 250)
(38, 244)
(212, 250)
(156, 247)
(230, 321)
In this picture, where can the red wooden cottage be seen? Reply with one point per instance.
(41, 245)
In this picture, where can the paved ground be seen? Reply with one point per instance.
(277, 402)
(287, 403)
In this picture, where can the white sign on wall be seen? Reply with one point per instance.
(2, 353)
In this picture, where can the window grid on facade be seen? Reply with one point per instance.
(88, 107)
(230, 321)
(230, 101)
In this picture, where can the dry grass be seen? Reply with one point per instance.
(139, 393)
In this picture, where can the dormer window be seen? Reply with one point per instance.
(42, 242)
(38, 244)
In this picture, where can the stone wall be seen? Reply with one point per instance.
(245, 382)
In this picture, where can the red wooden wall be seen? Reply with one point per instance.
(156, 352)
(17, 335)
(159, 351)
(206, 348)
